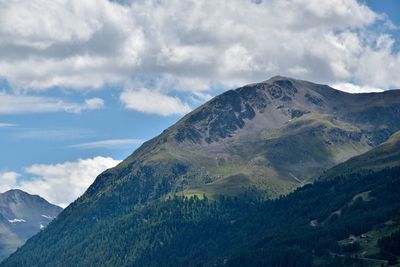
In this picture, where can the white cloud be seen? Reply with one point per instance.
(94, 103)
(14, 104)
(8, 180)
(192, 45)
(355, 89)
(110, 144)
(379, 65)
(73, 43)
(58, 183)
(153, 102)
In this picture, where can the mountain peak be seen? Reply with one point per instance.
(21, 196)
(16, 192)
(278, 78)
(270, 104)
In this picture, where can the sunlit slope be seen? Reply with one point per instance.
(272, 137)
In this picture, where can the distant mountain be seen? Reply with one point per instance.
(21, 216)
(259, 141)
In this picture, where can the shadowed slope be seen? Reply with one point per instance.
(385, 155)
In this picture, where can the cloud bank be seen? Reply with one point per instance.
(15, 104)
(58, 183)
(155, 51)
(191, 46)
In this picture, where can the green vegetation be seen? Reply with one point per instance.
(390, 247)
(280, 134)
(196, 194)
(229, 231)
(386, 155)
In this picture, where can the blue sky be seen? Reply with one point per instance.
(391, 9)
(388, 7)
(84, 83)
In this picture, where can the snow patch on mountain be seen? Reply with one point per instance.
(16, 220)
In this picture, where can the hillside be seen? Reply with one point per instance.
(21, 216)
(260, 141)
(239, 141)
(349, 220)
(384, 156)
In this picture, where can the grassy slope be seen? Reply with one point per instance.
(272, 151)
(239, 233)
(385, 155)
(284, 158)
(81, 238)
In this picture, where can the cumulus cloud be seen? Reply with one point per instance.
(153, 102)
(194, 44)
(109, 144)
(14, 104)
(67, 43)
(58, 183)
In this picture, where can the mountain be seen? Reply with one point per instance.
(239, 141)
(21, 216)
(259, 141)
(348, 220)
